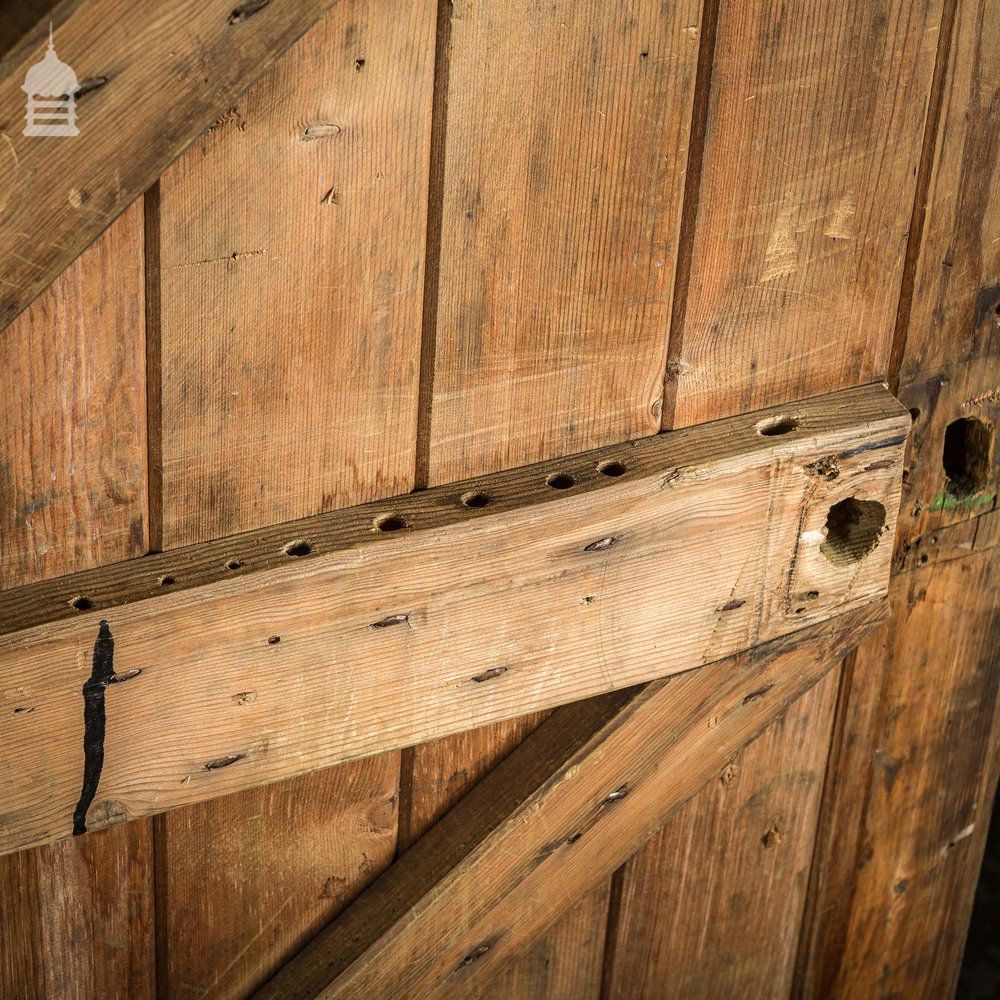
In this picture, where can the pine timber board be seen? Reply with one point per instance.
(798, 211)
(556, 191)
(72, 496)
(711, 906)
(290, 244)
(552, 821)
(380, 639)
(169, 73)
(915, 766)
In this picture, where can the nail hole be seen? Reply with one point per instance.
(853, 528)
(273, 640)
(560, 481)
(390, 522)
(773, 426)
(359, 64)
(81, 603)
(166, 581)
(966, 459)
(612, 469)
(477, 499)
(233, 564)
(300, 547)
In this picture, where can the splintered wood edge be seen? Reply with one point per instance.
(770, 433)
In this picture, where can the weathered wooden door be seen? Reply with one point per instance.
(440, 240)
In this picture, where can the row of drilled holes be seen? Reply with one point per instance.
(393, 522)
(771, 427)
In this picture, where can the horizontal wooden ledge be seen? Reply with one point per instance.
(556, 818)
(190, 674)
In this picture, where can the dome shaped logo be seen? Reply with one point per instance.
(51, 87)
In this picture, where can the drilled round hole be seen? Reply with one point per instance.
(166, 581)
(968, 444)
(300, 547)
(853, 528)
(773, 426)
(560, 481)
(477, 499)
(234, 564)
(81, 603)
(390, 522)
(612, 469)
(273, 640)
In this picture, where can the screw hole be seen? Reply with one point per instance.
(81, 603)
(773, 426)
(560, 481)
(477, 499)
(390, 522)
(966, 459)
(853, 528)
(613, 469)
(300, 547)
(234, 564)
(166, 581)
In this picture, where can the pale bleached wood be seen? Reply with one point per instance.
(711, 541)
(167, 73)
(574, 801)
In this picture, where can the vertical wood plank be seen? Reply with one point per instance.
(291, 252)
(802, 208)
(907, 804)
(563, 170)
(564, 147)
(908, 807)
(76, 918)
(711, 906)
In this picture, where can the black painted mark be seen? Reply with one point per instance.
(102, 674)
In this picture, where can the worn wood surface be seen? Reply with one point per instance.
(290, 262)
(555, 196)
(711, 906)
(796, 232)
(57, 197)
(915, 767)
(76, 918)
(391, 637)
(552, 820)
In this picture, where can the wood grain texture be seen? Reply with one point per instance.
(801, 214)
(563, 172)
(712, 905)
(908, 805)
(291, 248)
(558, 187)
(552, 821)
(76, 918)
(167, 77)
(719, 537)
(339, 832)
(915, 766)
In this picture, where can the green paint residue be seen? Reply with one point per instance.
(945, 501)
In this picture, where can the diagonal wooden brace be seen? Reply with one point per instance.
(552, 821)
(258, 657)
